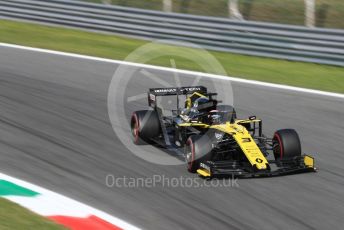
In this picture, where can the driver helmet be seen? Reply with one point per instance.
(214, 117)
(198, 105)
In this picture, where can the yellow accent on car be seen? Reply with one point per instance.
(203, 172)
(188, 101)
(247, 121)
(242, 137)
(189, 124)
(309, 161)
(251, 150)
(246, 143)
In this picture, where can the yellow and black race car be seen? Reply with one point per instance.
(213, 140)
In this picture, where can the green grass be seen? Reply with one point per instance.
(12, 216)
(328, 12)
(314, 76)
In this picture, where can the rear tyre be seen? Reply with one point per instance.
(144, 125)
(197, 150)
(286, 144)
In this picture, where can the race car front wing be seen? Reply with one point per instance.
(295, 165)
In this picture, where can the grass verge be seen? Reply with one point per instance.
(307, 75)
(12, 216)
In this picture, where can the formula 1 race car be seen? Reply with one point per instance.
(213, 140)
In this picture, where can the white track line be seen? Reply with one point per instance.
(233, 79)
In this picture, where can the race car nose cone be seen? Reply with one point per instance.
(261, 167)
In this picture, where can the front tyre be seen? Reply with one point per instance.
(197, 150)
(286, 144)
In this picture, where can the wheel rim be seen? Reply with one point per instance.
(189, 154)
(278, 148)
(135, 127)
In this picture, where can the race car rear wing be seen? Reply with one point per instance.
(187, 90)
(178, 90)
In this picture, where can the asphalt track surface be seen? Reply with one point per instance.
(55, 132)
